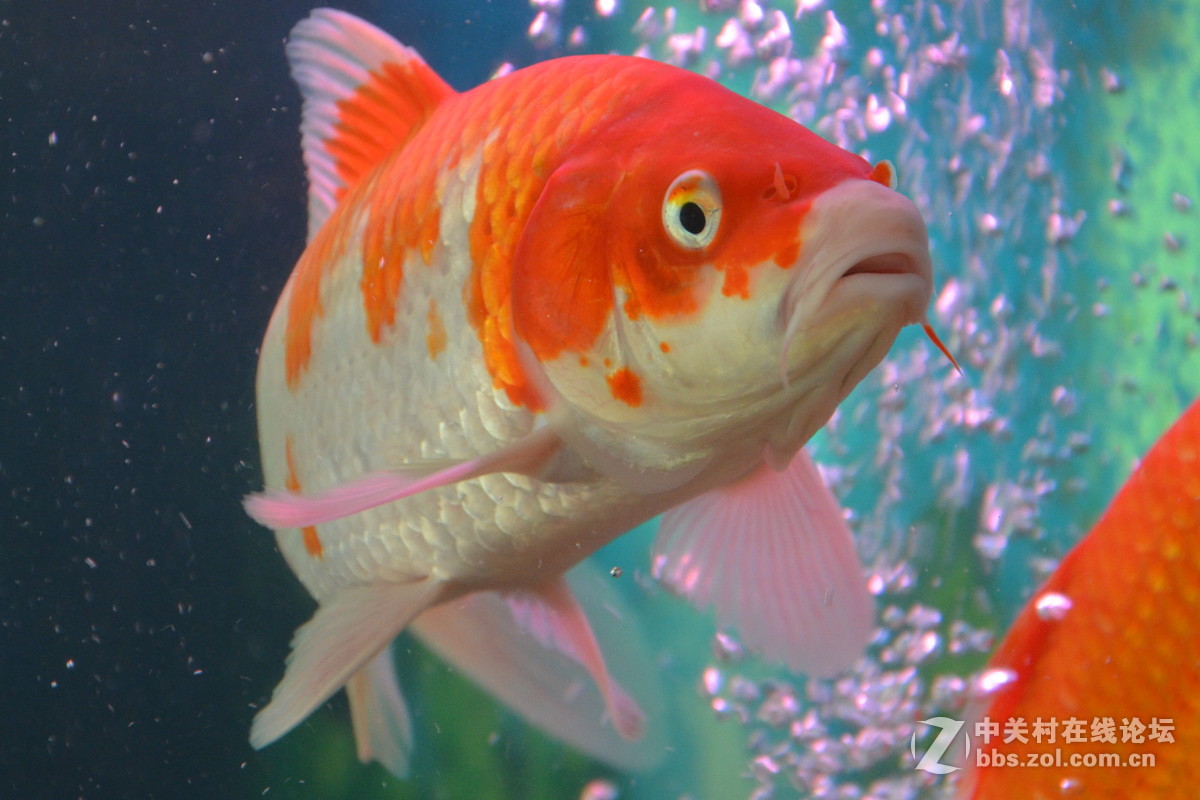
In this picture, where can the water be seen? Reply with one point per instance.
(153, 204)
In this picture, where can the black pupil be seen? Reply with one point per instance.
(691, 217)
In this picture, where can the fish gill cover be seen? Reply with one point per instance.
(1028, 137)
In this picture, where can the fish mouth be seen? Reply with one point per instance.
(897, 282)
(864, 273)
(884, 264)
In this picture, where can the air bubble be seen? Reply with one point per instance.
(1070, 787)
(992, 680)
(600, 789)
(1052, 606)
(1110, 81)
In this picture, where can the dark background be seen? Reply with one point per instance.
(151, 207)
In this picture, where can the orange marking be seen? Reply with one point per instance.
(626, 386)
(788, 254)
(660, 279)
(553, 290)
(304, 303)
(666, 348)
(387, 110)
(435, 338)
(737, 282)
(402, 218)
(312, 542)
(882, 173)
(291, 482)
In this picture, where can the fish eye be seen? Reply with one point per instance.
(692, 209)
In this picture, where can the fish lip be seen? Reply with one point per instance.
(893, 263)
(899, 276)
(897, 279)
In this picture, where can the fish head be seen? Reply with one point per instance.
(730, 277)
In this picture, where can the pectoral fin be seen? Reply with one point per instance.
(773, 553)
(285, 509)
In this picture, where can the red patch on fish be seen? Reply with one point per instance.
(312, 542)
(626, 386)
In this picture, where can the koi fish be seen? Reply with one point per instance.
(1106, 652)
(532, 316)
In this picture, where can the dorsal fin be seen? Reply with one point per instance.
(364, 95)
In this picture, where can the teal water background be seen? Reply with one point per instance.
(152, 205)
